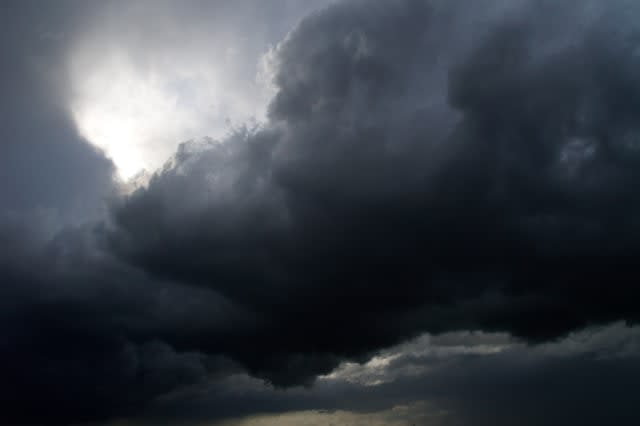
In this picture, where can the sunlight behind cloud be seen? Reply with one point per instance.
(138, 115)
(137, 94)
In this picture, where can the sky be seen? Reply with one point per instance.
(327, 212)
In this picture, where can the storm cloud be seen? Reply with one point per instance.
(424, 167)
(379, 202)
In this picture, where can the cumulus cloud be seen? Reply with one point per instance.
(426, 166)
(409, 180)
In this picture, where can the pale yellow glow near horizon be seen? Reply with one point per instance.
(421, 413)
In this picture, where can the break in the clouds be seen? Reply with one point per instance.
(144, 77)
(423, 212)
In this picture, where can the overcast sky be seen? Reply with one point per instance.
(292, 212)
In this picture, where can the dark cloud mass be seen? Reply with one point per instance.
(426, 166)
(368, 209)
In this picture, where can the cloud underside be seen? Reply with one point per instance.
(426, 166)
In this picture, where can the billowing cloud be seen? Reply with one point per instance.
(424, 166)
(410, 181)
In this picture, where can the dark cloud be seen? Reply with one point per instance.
(370, 208)
(426, 166)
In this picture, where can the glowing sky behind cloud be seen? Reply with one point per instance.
(139, 87)
(138, 113)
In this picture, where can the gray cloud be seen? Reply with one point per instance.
(45, 167)
(426, 166)
(378, 196)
